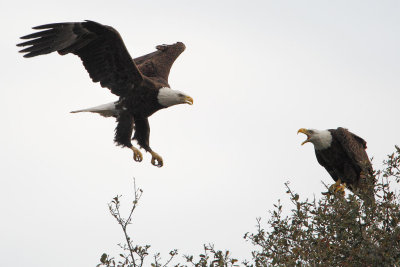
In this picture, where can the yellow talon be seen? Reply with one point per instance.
(333, 187)
(340, 188)
(156, 159)
(336, 187)
(137, 155)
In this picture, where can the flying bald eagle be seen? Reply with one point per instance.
(343, 155)
(141, 83)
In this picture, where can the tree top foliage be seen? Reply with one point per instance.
(335, 230)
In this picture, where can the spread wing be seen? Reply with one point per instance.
(354, 146)
(100, 48)
(158, 64)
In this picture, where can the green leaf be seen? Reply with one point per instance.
(103, 258)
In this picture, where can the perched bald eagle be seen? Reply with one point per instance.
(141, 83)
(343, 155)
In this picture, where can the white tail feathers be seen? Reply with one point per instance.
(105, 110)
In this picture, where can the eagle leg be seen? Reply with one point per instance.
(123, 133)
(137, 155)
(340, 188)
(336, 187)
(333, 187)
(156, 159)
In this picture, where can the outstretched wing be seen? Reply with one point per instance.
(158, 64)
(354, 146)
(100, 48)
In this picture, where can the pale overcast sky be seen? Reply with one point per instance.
(257, 70)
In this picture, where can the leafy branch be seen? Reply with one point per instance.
(335, 230)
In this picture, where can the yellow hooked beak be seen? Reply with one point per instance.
(304, 131)
(188, 100)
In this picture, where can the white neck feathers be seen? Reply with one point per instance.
(321, 139)
(168, 97)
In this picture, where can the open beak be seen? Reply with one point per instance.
(304, 131)
(188, 100)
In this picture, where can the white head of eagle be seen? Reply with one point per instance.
(321, 139)
(168, 97)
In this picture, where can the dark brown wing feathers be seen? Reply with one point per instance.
(158, 64)
(100, 48)
(354, 146)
